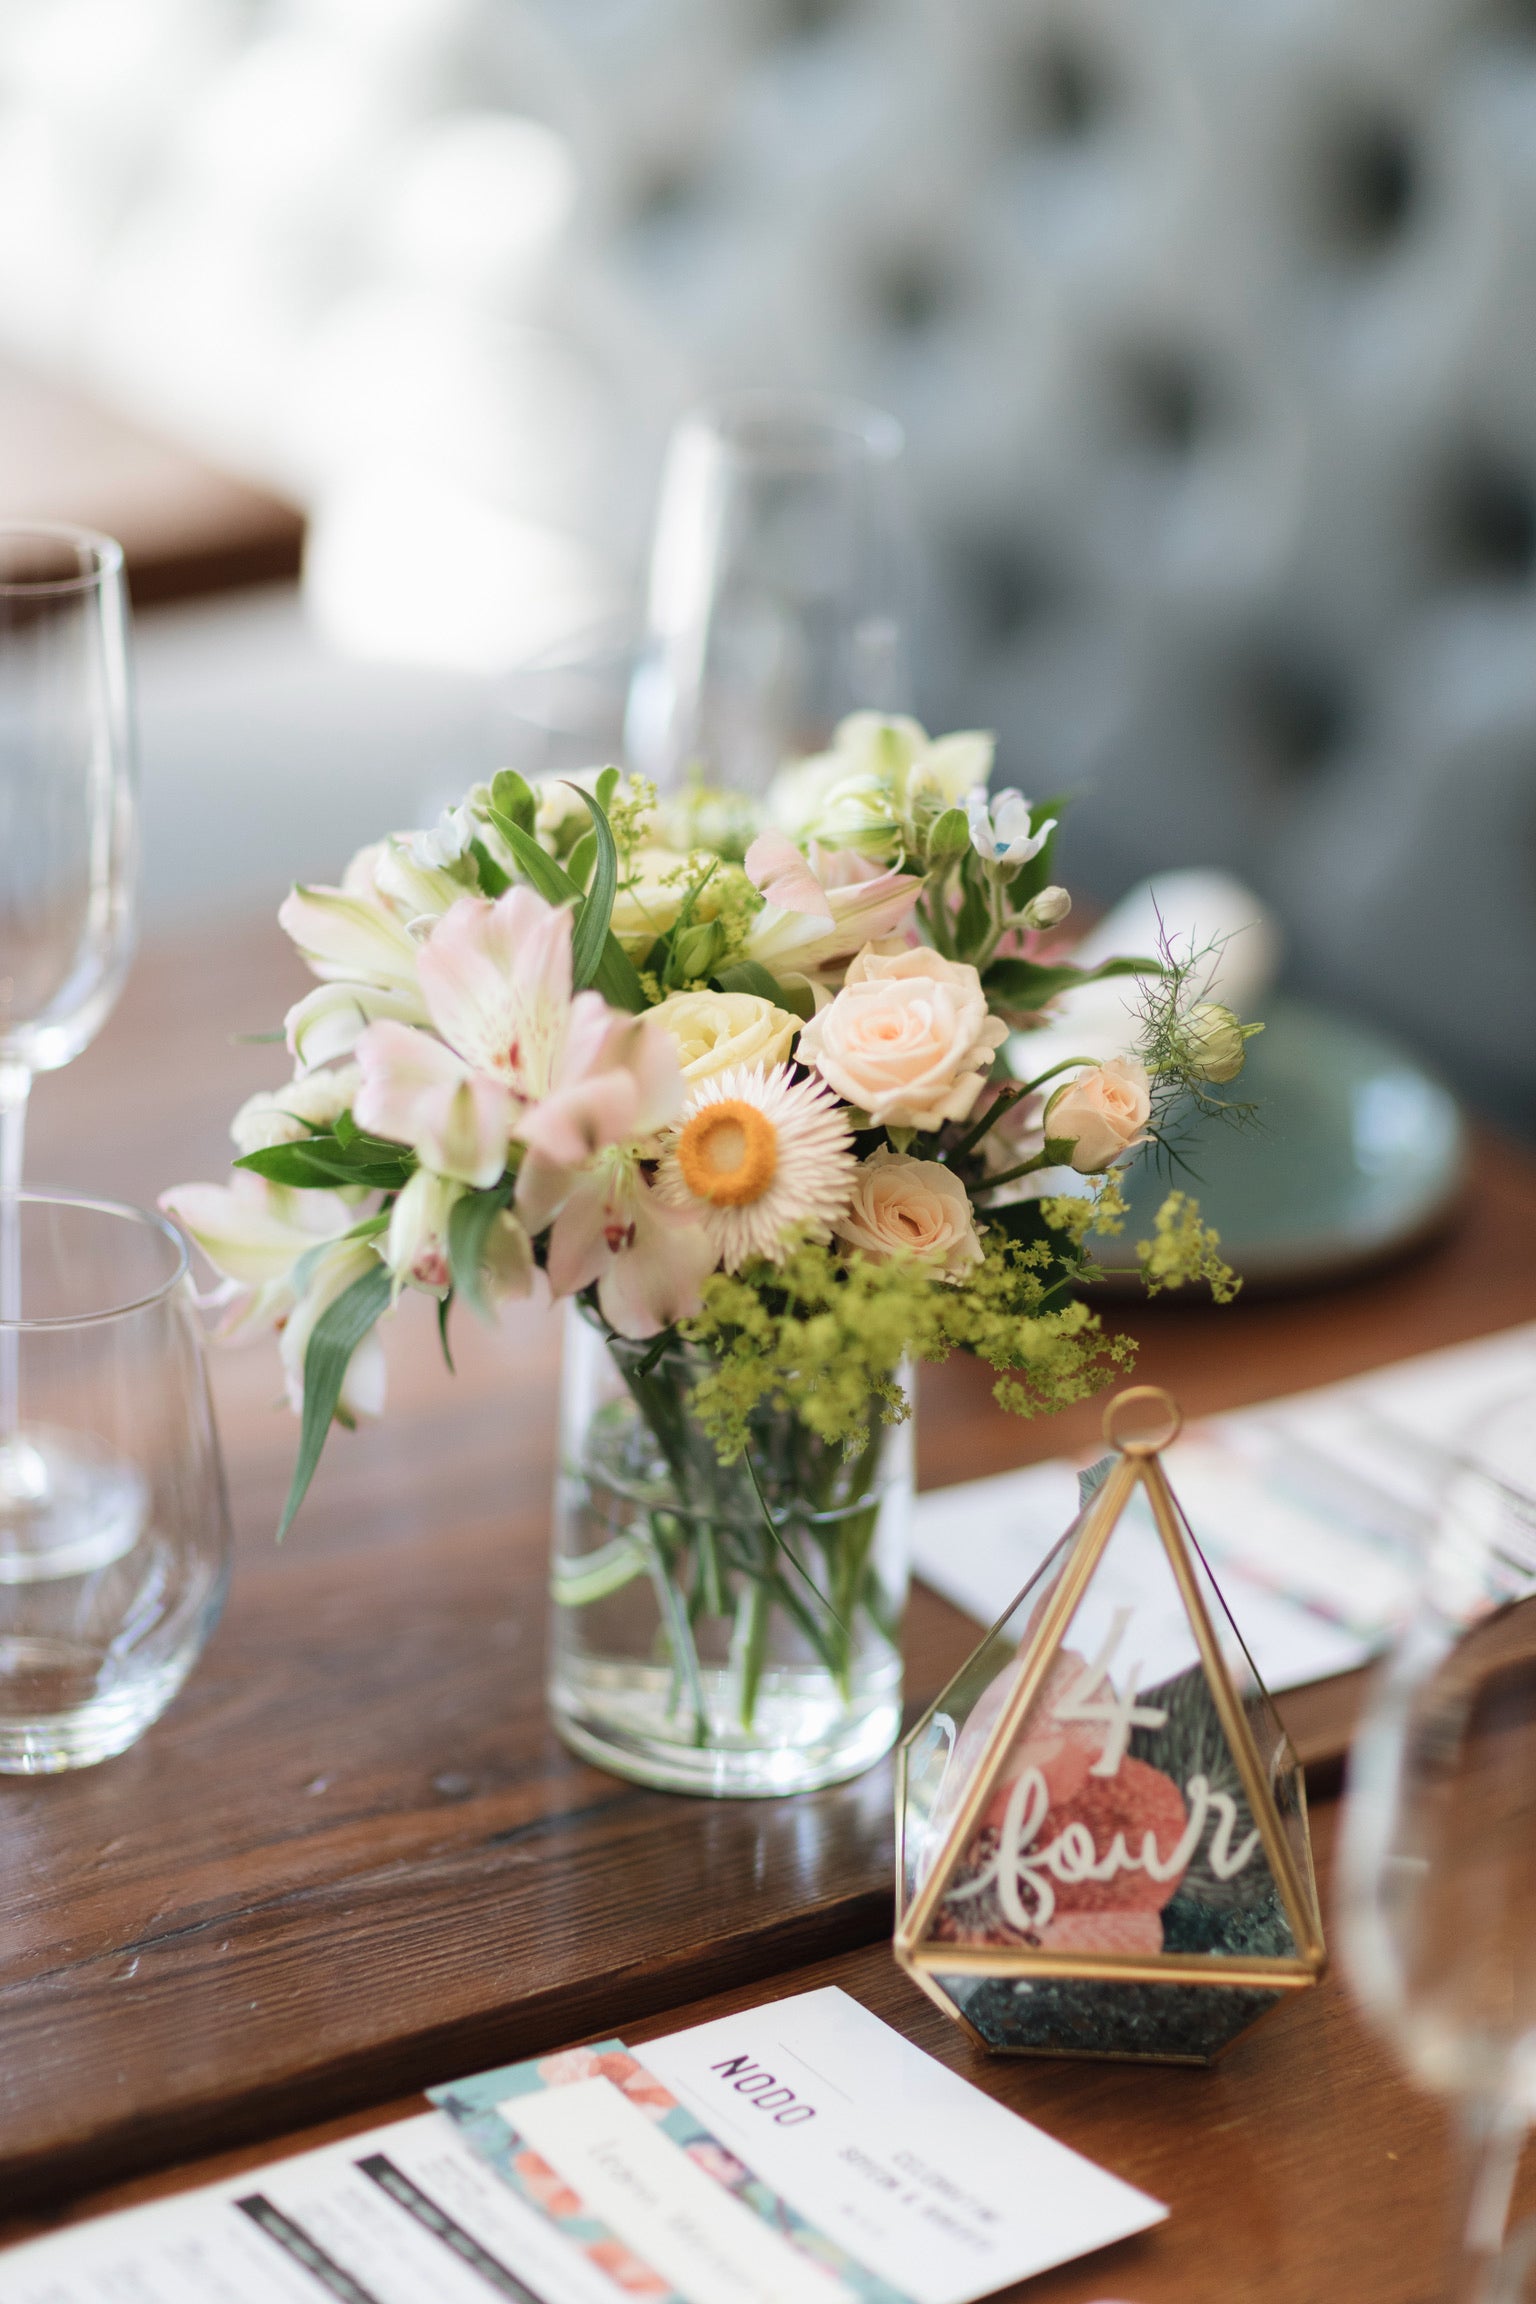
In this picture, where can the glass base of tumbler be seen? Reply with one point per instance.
(62, 1707)
(804, 1734)
(66, 1506)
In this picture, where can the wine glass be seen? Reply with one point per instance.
(779, 583)
(68, 863)
(1438, 1855)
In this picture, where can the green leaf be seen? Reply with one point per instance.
(337, 1334)
(1029, 984)
(469, 1222)
(581, 859)
(513, 798)
(615, 978)
(975, 915)
(323, 1163)
(751, 976)
(607, 785)
(539, 869)
(589, 944)
(493, 881)
(443, 1304)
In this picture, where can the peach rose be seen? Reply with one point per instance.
(1101, 1113)
(913, 1207)
(908, 1040)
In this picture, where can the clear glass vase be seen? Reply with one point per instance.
(732, 1629)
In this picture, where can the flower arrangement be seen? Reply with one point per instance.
(751, 1085)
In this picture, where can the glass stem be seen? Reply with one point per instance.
(15, 1087)
(1491, 2141)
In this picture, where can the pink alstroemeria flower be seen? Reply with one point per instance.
(517, 1055)
(859, 904)
(649, 1263)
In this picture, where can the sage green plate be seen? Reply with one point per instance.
(1355, 1151)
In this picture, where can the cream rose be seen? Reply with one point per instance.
(1101, 1113)
(714, 1030)
(911, 1207)
(908, 1039)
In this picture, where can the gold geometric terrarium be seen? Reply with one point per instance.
(1102, 1843)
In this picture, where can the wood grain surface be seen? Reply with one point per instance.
(352, 1858)
(1302, 2169)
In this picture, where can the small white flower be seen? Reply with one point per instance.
(756, 1157)
(1000, 830)
(447, 842)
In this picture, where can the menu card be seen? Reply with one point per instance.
(1313, 1511)
(799, 2153)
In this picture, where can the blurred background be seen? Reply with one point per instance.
(1212, 329)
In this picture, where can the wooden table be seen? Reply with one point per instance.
(353, 1859)
(184, 527)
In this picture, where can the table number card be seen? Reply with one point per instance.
(1103, 1829)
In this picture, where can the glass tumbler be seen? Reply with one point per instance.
(779, 591)
(96, 1636)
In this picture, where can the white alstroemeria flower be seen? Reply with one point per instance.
(350, 938)
(649, 1263)
(288, 1115)
(862, 905)
(417, 892)
(882, 773)
(946, 769)
(506, 1260)
(329, 1275)
(448, 842)
(416, 1091)
(254, 1234)
(330, 1021)
(416, 1244)
(783, 873)
(1000, 832)
(517, 1053)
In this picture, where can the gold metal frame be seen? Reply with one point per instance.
(1139, 1465)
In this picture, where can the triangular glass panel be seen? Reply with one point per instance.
(1103, 1841)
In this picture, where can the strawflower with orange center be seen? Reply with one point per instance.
(760, 1160)
(728, 1153)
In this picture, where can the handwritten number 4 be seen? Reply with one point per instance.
(1119, 1714)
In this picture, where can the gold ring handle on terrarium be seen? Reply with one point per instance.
(1142, 1421)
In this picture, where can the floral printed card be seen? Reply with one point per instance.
(625, 2171)
(864, 2168)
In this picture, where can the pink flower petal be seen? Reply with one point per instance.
(657, 1279)
(497, 982)
(775, 865)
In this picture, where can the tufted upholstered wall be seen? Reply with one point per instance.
(1214, 331)
(1212, 324)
